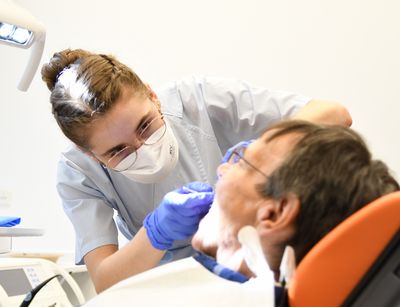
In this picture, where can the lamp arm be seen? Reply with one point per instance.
(33, 62)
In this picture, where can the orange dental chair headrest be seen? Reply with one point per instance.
(356, 264)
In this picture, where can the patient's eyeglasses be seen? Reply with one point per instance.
(238, 154)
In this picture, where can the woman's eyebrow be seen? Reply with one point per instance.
(116, 147)
(144, 118)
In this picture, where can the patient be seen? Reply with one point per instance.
(294, 184)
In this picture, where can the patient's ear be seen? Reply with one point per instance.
(278, 215)
(276, 226)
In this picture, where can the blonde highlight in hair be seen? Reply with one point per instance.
(84, 86)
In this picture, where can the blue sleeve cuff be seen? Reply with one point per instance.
(9, 221)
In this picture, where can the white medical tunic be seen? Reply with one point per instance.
(208, 115)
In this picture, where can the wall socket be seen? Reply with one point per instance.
(5, 198)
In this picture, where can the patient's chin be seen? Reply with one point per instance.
(201, 243)
(206, 238)
(210, 250)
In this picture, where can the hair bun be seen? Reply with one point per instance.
(58, 62)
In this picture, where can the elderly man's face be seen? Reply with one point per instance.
(237, 202)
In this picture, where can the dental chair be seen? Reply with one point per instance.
(356, 264)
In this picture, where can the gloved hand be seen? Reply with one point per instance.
(179, 214)
(230, 150)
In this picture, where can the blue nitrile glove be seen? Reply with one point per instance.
(230, 150)
(179, 214)
(9, 221)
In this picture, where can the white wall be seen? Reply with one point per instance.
(344, 50)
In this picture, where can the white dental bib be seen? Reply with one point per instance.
(186, 282)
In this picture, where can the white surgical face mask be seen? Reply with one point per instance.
(154, 162)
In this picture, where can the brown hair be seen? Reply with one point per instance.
(84, 86)
(332, 172)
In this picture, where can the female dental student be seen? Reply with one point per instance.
(131, 145)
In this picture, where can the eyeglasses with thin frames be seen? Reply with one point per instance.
(151, 132)
(238, 154)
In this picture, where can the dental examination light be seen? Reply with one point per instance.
(20, 29)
